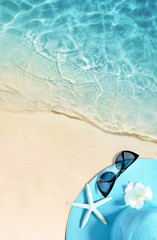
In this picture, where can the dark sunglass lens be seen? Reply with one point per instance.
(107, 176)
(129, 158)
(125, 159)
(119, 162)
(106, 182)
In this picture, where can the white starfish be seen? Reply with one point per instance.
(91, 207)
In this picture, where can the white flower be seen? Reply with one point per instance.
(136, 194)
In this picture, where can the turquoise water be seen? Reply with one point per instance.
(91, 59)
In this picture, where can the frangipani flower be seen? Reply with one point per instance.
(136, 194)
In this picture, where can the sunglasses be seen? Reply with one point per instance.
(108, 179)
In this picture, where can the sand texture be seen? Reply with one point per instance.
(45, 161)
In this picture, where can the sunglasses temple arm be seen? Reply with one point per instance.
(119, 173)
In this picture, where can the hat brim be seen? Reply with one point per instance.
(143, 170)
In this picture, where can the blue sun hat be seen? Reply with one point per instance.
(120, 203)
(131, 224)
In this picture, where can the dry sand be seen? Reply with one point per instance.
(45, 161)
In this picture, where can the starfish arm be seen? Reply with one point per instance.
(79, 205)
(89, 195)
(100, 216)
(86, 217)
(101, 202)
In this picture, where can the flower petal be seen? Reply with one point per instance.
(133, 203)
(139, 188)
(147, 194)
(130, 196)
(129, 188)
(139, 203)
(136, 194)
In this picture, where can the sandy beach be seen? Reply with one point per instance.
(61, 61)
(45, 161)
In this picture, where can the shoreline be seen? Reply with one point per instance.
(12, 87)
(74, 116)
(46, 160)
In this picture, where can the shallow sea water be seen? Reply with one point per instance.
(91, 59)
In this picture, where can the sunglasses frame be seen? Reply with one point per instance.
(118, 174)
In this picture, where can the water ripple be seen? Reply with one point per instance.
(95, 60)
